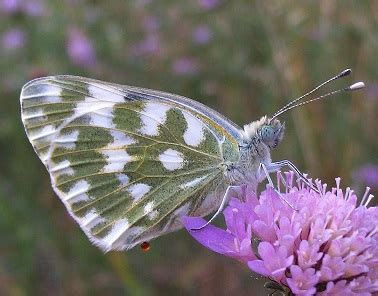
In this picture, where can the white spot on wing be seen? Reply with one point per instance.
(44, 132)
(172, 159)
(192, 183)
(63, 167)
(193, 134)
(117, 230)
(149, 210)
(44, 157)
(91, 219)
(104, 93)
(116, 160)
(125, 238)
(78, 192)
(120, 140)
(100, 113)
(38, 113)
(138, 190)
(48, 93)
(148, 207)
(153, 215)
(123, 179)
(102, 117)
(52, 99)
(152, 116)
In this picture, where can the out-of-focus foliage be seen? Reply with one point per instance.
(244, 58)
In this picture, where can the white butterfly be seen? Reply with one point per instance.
(128, 162)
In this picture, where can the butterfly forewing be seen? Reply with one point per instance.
(127, 162)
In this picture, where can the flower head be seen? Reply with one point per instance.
(202, 34)
(367, 175)
(80, 48)
(13, 39)
(32, 8)
(150, 45)
(324, 243)
(10, 6)
(208, 4)
(185, 66)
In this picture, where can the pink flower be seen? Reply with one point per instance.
(185, 66)
(302, 282)
(10, 6)
(326, 245)
(150, 45)
(274, 261)
(367, 175)
(80, 49)
(32, 8)
(235, 242)
(202, 34)
(13, 39)
(208, 4)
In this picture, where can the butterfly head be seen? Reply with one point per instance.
(270, 131)
(266, 130)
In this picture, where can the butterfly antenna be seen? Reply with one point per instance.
(344, 73)
(354, 86)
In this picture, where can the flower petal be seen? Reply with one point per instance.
(258, 266)
(215, 239)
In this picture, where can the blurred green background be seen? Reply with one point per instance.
(243, 58)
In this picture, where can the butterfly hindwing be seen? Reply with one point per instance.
(126, 162)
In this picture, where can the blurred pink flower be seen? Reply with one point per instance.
(328, 245)
(13, 39)
(143, 3)
(151, 24)
(33, 8)
(209, 4)
(202, 34)
(80, 49)
(10, 6)
(185, 66)
(367, 175)
(148, 46)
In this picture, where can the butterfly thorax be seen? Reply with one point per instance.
(258, 138)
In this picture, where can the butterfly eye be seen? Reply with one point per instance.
(267, 133)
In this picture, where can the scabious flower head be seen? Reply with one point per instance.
(308, 242)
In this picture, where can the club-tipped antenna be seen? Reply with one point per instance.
(354, 86)
(343, 73)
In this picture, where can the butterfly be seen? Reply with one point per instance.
(128, 162)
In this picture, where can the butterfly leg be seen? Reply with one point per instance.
(266, 171)
(221, 207)
(275, 166)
